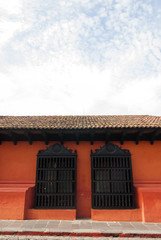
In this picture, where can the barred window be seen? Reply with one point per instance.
(112, 181)
(56, 178)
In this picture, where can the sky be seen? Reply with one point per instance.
(80, 57)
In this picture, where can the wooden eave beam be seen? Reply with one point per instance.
(92, 138)
(61, 137)
(12, 136)
(45, 136)
(0, 139)
(123, 134)
(154, 135)
(28, 136)
(108, 134)
(77, 138)
(139, 134)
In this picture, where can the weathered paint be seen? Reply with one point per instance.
(18, 172)
(117, 215)
(49, 214)
(12, 202)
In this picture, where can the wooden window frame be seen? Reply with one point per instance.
(56, 178)
(112, 180)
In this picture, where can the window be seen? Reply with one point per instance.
(112, 181)
(56, 178)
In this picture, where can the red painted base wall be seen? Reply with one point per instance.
(18, 173)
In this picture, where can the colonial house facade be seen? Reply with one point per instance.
(106, 168)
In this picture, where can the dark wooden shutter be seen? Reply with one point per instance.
(112, 181)
(56, 178)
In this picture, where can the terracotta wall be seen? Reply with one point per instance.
(17, 178)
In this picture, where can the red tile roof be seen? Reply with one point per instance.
(79, 122)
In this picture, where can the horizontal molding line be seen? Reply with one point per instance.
(17, 182)
(138, 182)
(33, 182)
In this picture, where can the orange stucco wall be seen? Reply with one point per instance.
(18, 172)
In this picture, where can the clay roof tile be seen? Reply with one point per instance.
(80, 122)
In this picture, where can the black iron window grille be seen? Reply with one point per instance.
(56, 178)
(112, 181)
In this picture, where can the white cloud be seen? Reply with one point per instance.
(79, 57)
(67, 93)
(139, 97)
(77, 90)
(7, 29)
(11, 7)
